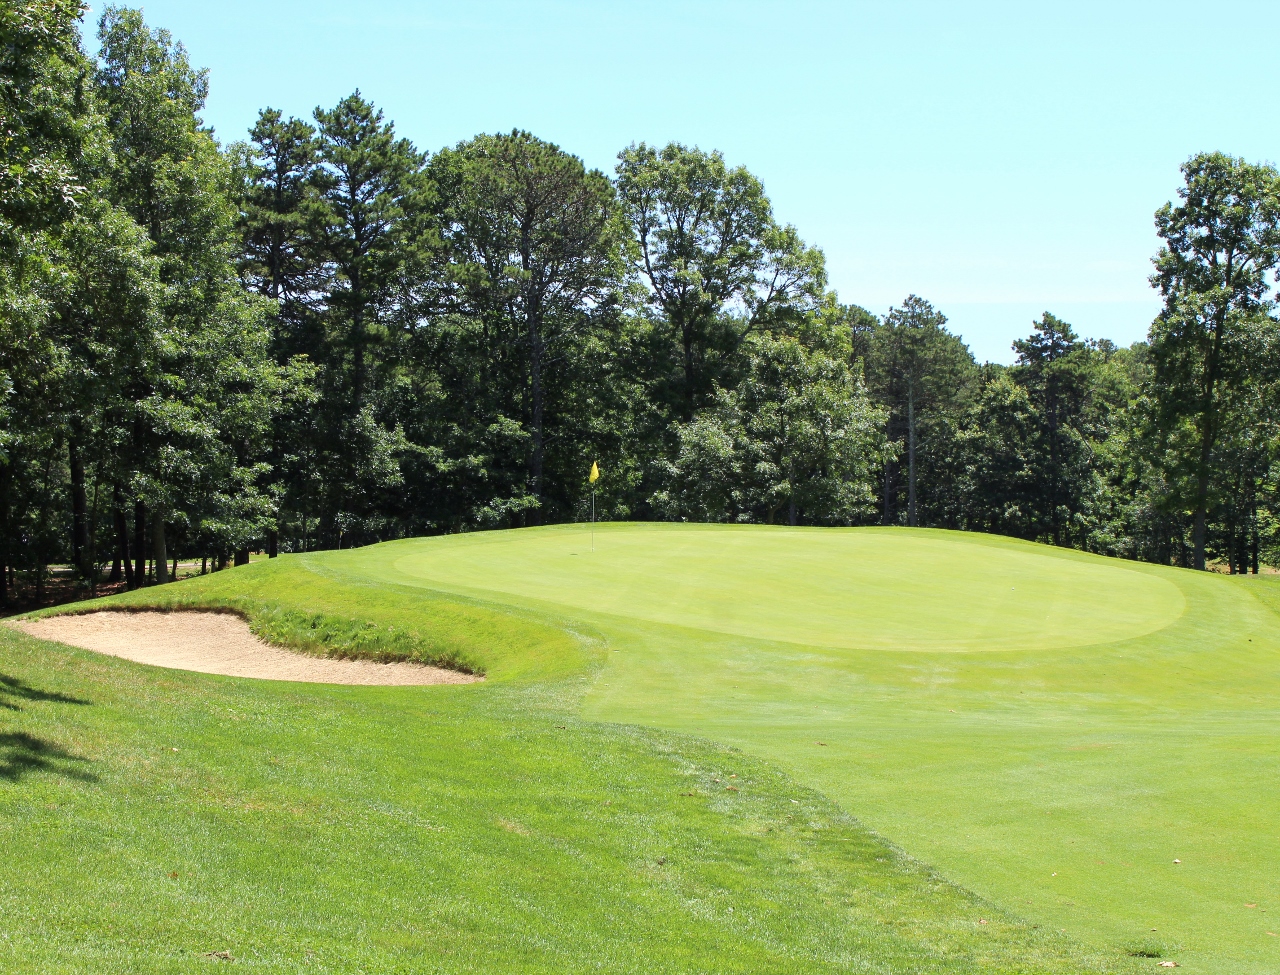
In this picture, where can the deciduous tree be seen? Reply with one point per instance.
(535, 249)
(1221, 243)
(715, 262)
(918, 370)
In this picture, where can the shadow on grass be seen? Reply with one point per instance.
(13, 690)
(21, 754)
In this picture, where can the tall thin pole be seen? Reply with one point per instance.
(593, 519)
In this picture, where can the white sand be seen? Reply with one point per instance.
(219, 643)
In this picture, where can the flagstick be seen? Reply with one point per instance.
(593, 519)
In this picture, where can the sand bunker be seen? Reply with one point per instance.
(219, 643)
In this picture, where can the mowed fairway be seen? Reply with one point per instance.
(1101, 719)
(1048, 729)
(159, 820)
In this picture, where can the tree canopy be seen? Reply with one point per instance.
(323, 335)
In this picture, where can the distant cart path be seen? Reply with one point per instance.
(220, 643)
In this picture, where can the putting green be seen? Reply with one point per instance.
(1128, 721)
(847, 589)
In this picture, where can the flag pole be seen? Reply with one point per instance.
(591, 479)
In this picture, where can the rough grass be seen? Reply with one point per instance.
(164, 821)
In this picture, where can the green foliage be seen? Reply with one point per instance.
(324, 336)
(1210, 342)
(278, 193)
(196, 417)
(534, 246)
(49, 136)
(922, 374)
(714, 262)
(797, 435)
(1057, 448)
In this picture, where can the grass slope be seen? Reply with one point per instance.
(151, 819)
(1061, 729)
(843, 589)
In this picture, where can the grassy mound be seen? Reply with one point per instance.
(1122, 717)
(869, 588)
(1051, 729)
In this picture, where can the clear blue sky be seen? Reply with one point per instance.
(997, 159)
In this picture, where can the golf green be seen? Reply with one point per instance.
(1106, 768)
(1088, 745)
(864, 589)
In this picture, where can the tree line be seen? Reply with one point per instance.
(322, 336)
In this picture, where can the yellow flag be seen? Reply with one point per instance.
(595, 473)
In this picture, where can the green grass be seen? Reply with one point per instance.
(840, 589)
(1002, 711)
(1127, 716)
(151, 817)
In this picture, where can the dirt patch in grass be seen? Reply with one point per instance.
(220, 643)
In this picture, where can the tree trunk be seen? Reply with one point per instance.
(791, 510)
(1208, 433)
(1198, 526)
(122, 543)
(242, 556)
(885, 516)
(140, 544)
(174, 576)
(159, 554)
(357, 340)
(79, 509)
(686, 337)
(535, 384)
(273, 543)
(911, 456)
